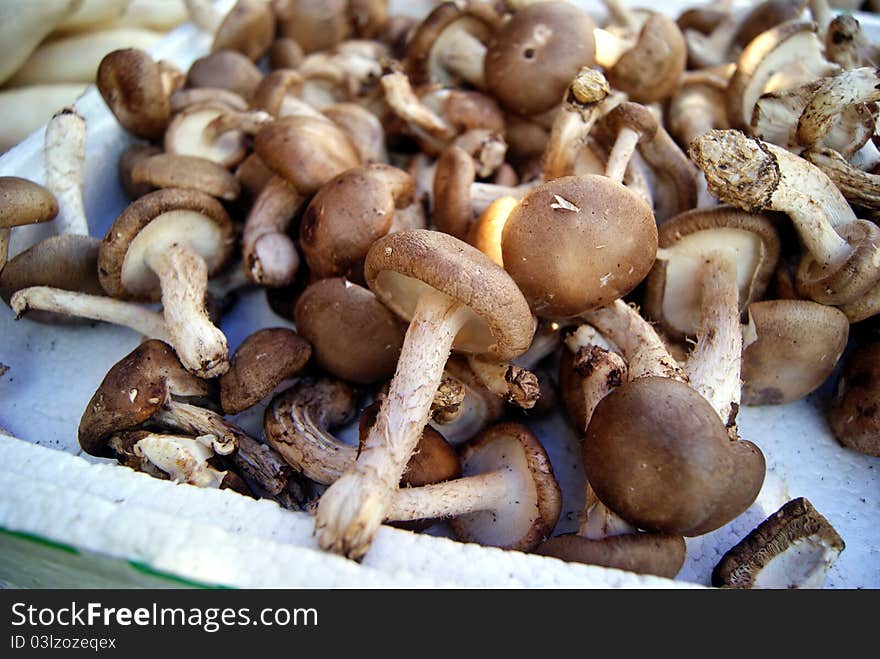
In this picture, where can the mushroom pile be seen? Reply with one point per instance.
(499, 211)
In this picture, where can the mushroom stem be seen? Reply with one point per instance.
(269, 254)
(838, 93)
(483, 194)
(184, 459)
(713, 368)
(621, 152)
(248, 121)
(452, 498)
(405, 104)
(352, 509)
(610, 47)
(64, 153)
(463, 56)
(97, 307)
(643, 349)
(755, 175)
(514, 383)
(599, 521)
(183, 275)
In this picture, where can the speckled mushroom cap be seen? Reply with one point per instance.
(790, 347)
(132, 391)
(130, 82)
(533, 57)
(24, 202)
(657, 454)
(672, 293)
(263, 361)
(401, 266)
(349, 213)
(578, 243)
(354, 336)
(167, 216)
(529, 515)
(305, 151)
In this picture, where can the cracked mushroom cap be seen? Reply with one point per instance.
(165, 217)
(577, 243)
(854, 413)
(657, 454)
(24, 202)
(132, 391)
(672, 294)
(525, 517)
(793, 548)
(354, 336)
(660, 554)
(349, 213)
(130, 82)
(533, 57)
(263, 361)
(790, 347)
(401, 266)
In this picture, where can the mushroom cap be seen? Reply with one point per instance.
(66, 261)
(854, 412)
(131, 156)
(130, 82)
(401, 266)
(305, 151)
(349, 213)
(790, 347)
(527, 516)
(225, 69)
(660, 554)
(454, 173)
(658, 455)
(793, 548)
(24, 202)
(632, 115)
(577, 243)
(165, 217)
(186, 136)
(249, 28)
(763, 16)
(650, 71)
(263, 361)
(132, 391)
(353, 335)
(672, 293)
(533, 57)
(173, 170)
(315, 24)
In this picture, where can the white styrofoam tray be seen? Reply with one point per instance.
(220, 537)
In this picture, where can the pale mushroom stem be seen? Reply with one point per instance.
(610, 47)
(405, 104)
(714, 366)
(64, 153)
(352, 509)
(599, 521)
(840, 92)
(465, 421)
(483, 194)
(183, 276)
(455, 497)
(184, 459)
(621, 153)
(622, 15)
(506, 380)
(463, 55)
(270, 257)
(249, 122)
(641, 346)
(96, 307)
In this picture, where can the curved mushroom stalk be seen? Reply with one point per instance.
(512, 382)
(64, 152)
(183, 458)
(353, 508)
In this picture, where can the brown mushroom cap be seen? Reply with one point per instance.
(354, 336)
(132, 391)
(130, 82)
(793, 548)
(790, 347)
(131, 156)
(660, 554)
(854, 413)
(171, 170)
(532, 58)
(249, 28)
(526, 517)
(263, 361)
(657, 454)
(349, 213)
(577, 243)
(226, 69)
(671, 294)
(314, 24)
(169, 215)
(24, 202)
(454, 173)
(401, 266)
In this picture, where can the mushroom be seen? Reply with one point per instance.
(22, 202)
(172, 170)
(263, 361)
(577, 243)
(839, 263)
(793, 548)
(164, 246)
(249, 28)
(304, 153)
(853, 413)
(507, 496)
(354, 336)
(454, 296)
(790, 347)
(225, 69)
(315, 25)
(478, 408)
